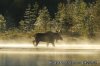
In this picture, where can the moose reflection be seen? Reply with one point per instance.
(48, 37)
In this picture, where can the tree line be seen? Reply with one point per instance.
(76, 18)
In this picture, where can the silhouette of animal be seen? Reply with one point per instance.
(48, 37)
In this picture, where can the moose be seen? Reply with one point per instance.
(48, 37)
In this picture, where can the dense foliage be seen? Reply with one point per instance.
(77, 18)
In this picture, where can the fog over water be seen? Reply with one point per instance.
(23, 53)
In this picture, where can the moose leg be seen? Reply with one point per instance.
(37, 42)
(53, 44)
(56, 40)
(47, 44)
(34, 41)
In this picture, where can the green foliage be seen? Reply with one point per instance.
(16, 34)
(97, 15)
(29, 17)
(43, 20)
(2, 24)
(76, 17)
(61, 16)
(83, 17)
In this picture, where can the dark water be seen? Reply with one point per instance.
(49, 60)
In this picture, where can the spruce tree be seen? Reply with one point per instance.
(97, 16)
(27, 17)
(2, 23)
(83, 17)
(79, 11)
(30, 16)
(63, 18)
(43, 20)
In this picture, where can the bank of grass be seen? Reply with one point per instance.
(16, 35)
(28, 36)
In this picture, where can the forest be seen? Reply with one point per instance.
(75, 19)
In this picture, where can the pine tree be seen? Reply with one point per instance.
(34, 13)
(78, 14)
(83, 17)
(63, 17)
(27, 18)
(77, 18)
(2, 23)
(90, 19)
(30, 17)
(97, 15)
(60, 16)
(43, 20)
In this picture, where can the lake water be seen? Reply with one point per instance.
(49, 57)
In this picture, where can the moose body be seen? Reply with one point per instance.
(48, 37)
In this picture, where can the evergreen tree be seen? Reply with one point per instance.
(34, 13)
(30, 17)
(2, 23)
(97, 15)
(77, 18)
(60, 16)
(83, 17)
(78, 14)
(63, 18)
(27, 17)
(43, 20)
(94, 11)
